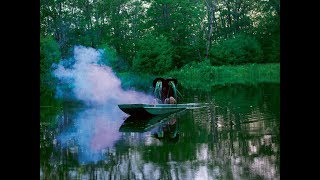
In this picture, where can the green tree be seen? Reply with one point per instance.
(49, 54)
(268, 34)
(239, 50)
(181, 22)
(154, 55)
(192, 27)
(110, 58)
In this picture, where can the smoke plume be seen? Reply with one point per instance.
(84, 78)
(93, 130)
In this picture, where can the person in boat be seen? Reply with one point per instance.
(165, 90)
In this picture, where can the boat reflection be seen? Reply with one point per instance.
(163, 127)
(168, 132)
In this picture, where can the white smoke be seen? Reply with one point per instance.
(94, 83)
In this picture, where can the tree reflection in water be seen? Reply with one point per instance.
(236, 137)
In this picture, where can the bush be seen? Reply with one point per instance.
(110, 58)
(270, 42)
(49, 54)
(238, 50)
(154, 55)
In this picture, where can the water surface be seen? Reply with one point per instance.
(235, 137)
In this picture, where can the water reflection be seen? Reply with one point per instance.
(144, 123)
(236, 137)
(168, 132)
(91, 133)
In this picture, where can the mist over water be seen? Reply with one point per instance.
(92, 82)
(94, 129)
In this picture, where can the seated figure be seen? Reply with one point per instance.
(165, 90)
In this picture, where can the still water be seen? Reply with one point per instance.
(235, 137)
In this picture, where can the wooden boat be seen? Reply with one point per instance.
(156, 109)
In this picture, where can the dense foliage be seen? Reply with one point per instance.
(49, 54)
(202, 76)
(157, 36)
(239, 50)
(154, 55)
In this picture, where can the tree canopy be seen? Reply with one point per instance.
(153, 36)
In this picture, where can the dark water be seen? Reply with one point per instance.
(236, 137)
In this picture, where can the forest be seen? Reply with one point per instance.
(180, 38)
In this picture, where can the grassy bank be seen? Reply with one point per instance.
(203, 76)
(197, 76)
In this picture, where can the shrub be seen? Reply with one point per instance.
(154, 55)
(110, 58)
(238, 50)
(49, 54)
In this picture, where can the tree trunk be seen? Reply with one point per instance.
(211, 7)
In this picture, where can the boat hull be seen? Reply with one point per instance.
(154, 109)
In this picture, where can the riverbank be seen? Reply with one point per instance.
(203, 77)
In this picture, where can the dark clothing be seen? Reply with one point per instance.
(166, 90)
